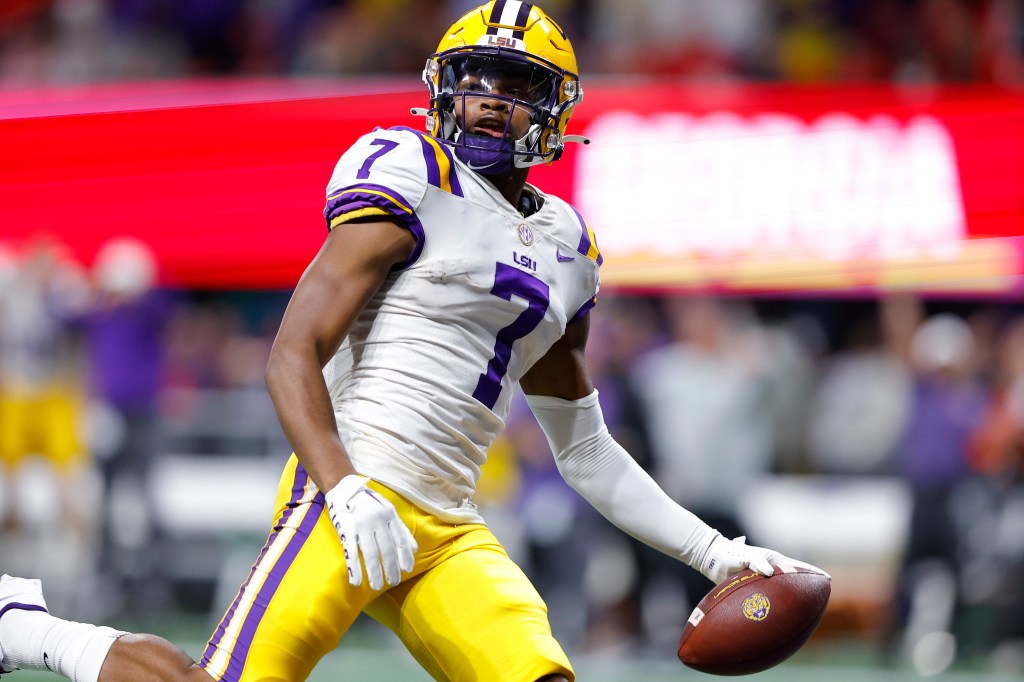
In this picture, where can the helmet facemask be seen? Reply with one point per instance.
(516, 86)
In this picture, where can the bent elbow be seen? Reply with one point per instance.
(274, 370)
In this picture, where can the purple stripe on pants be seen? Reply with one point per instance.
(266, 593)
(238, 654)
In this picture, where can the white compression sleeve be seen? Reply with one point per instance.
(606, 476)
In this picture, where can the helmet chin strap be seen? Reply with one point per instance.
(492, 156)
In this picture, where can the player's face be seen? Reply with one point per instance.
(497, 116)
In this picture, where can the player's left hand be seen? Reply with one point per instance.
(725, 557)
(368, 525)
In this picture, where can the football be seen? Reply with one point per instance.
(750, 622)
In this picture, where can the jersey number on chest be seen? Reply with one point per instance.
(509, 282)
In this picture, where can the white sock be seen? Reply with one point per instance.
(35, 640)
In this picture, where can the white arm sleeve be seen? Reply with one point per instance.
(606, 476)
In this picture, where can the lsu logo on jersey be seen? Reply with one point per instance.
(525, 261)
(756, 607)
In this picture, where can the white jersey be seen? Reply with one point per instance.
(422, 384)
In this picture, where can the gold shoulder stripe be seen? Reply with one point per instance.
(592, 253)
(352, 215)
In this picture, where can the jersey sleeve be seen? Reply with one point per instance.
(587, 246)
(382, 174)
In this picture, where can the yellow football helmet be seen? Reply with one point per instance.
(507, 38)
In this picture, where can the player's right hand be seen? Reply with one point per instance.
(369, 526)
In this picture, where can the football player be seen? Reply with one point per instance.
(445, 282)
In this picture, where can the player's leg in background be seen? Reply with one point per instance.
(292, 609)
(32, 639)
(147, 658)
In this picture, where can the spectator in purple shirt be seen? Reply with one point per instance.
(123, 325)
(947, 401)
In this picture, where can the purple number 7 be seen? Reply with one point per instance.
(386, 146)
(509, 282)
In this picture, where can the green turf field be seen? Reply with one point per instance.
(382, 662)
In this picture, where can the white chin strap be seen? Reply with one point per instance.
(523, 158)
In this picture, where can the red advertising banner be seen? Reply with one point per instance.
(735, 188)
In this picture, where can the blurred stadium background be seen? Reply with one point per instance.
(810, 329)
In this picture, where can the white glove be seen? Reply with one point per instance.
(725, 557)
(368, 524)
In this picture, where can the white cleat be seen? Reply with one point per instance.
(18, 594)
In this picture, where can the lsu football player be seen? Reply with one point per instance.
(445, 282)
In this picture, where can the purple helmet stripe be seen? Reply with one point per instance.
(495, 17)
(521, 18)
(298, 488)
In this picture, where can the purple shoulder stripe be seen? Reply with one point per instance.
(18, 606)
(585, 243)
(367, 195)
(584, 310)
(434, 151)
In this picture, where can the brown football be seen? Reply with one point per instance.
(750, 622)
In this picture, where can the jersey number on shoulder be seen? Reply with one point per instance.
(385, 147)
(509, 282)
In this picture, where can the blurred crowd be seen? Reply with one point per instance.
(102, 375)
(918, 41)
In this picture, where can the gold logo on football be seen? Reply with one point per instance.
(756, 607)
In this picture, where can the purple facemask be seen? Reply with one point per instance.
(485, 154)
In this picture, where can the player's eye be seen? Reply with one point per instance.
(470, 85)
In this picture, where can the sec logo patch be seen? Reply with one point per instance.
(756, 607)
(525, 234)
